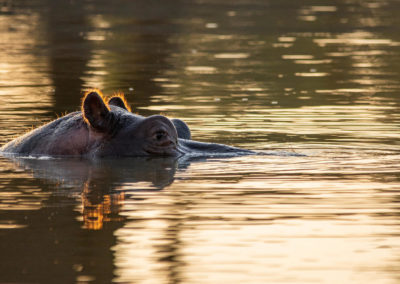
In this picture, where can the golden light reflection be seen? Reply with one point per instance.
(253, 212)
(354, 39)
(150, 251)
(309, 13)
(26, 90)
(298, 56)
(360, 123)
(292, 247)
(311, 62)
(311, 74)
(201, 69)
(323, 9)
(97, 70)
(287, 39)
(18, 199)
(96, 214)
(232, 55)
(328, 217)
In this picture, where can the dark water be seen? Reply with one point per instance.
(314, 77)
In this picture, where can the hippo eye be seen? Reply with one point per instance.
(160, 134)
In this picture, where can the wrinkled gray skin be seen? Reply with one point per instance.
(113, 131)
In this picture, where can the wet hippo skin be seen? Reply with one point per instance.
(107, 128)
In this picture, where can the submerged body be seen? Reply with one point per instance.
(106, 128)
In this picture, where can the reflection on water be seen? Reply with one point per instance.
(325, 210)
(24, 91)
(314, 78)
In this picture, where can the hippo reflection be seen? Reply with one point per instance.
(103, 174)
(102, 184)
(107, 128)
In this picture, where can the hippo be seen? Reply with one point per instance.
(106, 127)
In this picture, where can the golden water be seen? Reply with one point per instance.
(313, 77)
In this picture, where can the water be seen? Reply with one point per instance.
(318, 78)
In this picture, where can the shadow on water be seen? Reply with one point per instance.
(56, 219)
(66, 24)
(114, 47)
(103, 174)
(85, 44)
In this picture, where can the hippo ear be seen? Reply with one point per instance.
(182, 129)
(96, 112)
(119, 102)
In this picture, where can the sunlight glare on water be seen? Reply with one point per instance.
(280, 77)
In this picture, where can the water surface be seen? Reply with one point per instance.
(318, 78)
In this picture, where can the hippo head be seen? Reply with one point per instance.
(115, 131)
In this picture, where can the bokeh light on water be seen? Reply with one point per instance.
(313, 77)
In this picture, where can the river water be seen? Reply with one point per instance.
(319, 78)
